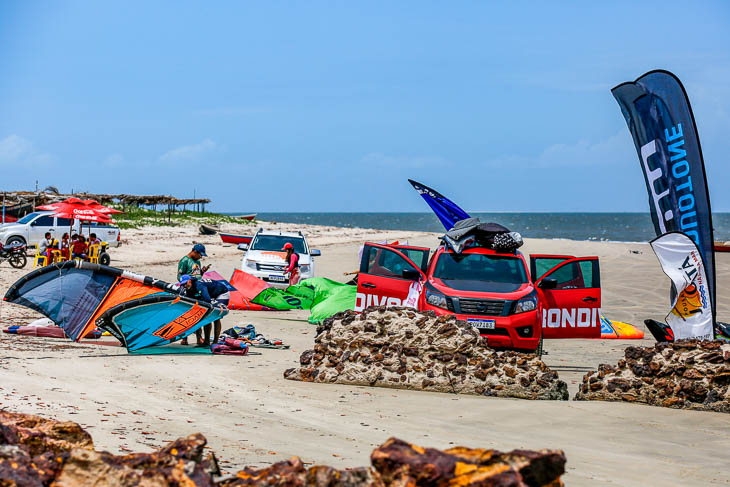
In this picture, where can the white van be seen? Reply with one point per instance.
(32, 228)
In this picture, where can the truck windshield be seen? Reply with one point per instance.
(480, 272)
(27, 218)
(276, 242)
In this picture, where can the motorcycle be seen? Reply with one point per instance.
(14, 253)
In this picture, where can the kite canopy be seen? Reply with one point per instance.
(242, 289)
(138, 310)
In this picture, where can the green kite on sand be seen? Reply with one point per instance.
(323, 297)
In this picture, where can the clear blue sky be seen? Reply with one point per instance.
(314, 106)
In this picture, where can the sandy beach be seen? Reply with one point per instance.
(251, 415)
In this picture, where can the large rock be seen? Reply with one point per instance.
(35, 451)
(183, 464)
(408, 349)
(397, 463)
(688, 374)
(292, 473)
(38, 435)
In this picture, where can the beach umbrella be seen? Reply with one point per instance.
(101, 208)
(78, 209)
(74, 208)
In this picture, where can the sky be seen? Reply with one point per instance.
(332, 106)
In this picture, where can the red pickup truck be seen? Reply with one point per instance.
(512, 305)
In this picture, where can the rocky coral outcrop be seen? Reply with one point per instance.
(35, 451)
(183, 463)
(408, 349)
(688, 374)
(38, 435)
(398, 463)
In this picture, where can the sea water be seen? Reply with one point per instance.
(617, 227)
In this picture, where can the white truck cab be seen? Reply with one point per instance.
(32, 228)
(265, 259)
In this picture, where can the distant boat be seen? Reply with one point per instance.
(721, 246)
(208, 229)
(250, 217)
(235, 239)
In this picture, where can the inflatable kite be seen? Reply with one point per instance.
(242, 288)
(321, 296)
(137, 310)
(620, 330)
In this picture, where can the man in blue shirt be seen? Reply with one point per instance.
(209, 291)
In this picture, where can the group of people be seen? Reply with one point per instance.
(74, 247)
(192, 284)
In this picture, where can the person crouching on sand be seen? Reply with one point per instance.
(213, 292)
(292, 261)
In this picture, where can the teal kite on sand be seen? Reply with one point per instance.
(321, 296)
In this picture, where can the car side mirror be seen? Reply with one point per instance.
(411, 274)
(548, 283)
(243, 247)
(315, 253)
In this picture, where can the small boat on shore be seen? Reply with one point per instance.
(251, 217)
(208, 229)
(235, 239)
(721, 246)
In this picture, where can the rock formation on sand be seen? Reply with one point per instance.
(687, 374)
(408, 349)
(38, 452)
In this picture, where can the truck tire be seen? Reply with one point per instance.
(15, 238)
(539, 349)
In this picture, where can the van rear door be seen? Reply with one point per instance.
(388, 277)
(572, 308)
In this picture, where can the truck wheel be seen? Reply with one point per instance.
(105, 259)
(14, 239)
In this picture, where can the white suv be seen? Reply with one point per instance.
(265, 259)
(32, 228)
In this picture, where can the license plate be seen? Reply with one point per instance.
(277, 278)
(483, 324)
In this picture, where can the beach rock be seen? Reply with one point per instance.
(397, 463)
(183, 462)
(39, 451)
(408, 349)
(400, 463)
(38, 435)
(688, 374)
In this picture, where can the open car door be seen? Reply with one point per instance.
(569, 293)
(388, 277)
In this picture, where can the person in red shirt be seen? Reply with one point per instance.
(292, 260)
(79, 248)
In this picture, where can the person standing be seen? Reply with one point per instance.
(206, 290)
(190, 265)
(292, 261)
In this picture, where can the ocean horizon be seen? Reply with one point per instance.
(610, 227)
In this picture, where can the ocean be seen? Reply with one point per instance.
(617, 227)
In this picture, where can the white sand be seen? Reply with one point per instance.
(251, 415)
